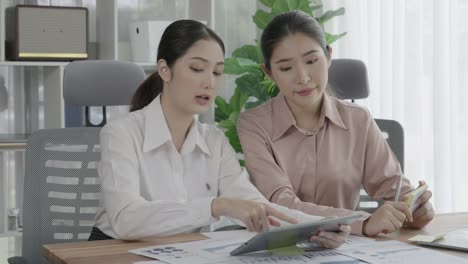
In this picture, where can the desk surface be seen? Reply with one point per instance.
(116, 251)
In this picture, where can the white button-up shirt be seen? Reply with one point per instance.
(149, 188)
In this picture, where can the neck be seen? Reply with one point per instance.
(178, 122)
(307, 116)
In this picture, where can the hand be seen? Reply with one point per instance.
(332, 239)
(387, 219)
(255, 215)
(424, 212)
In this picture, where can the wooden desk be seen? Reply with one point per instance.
(116, 251)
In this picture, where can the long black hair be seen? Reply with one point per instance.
(287, 24)
(175, 42)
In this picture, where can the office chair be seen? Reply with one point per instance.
(100, 83)
(61, 182)
(348, 79)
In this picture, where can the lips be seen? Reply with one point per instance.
(305, 92)
(202, 99)
(205, 97)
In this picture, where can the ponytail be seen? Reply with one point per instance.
(146, 92)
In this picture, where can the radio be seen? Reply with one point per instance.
(47, 33)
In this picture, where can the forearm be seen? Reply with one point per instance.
(286, 197)
(133, 219)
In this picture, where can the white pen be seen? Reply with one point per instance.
(397, 194)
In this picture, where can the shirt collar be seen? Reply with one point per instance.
(194, 139)
(284, 119)
(157, 132)
(330, 108)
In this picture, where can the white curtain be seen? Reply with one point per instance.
(416, 56)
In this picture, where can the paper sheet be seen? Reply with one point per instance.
(150, 262)
(216, 250)
(357, 249)
(390, 252)
(233, 234)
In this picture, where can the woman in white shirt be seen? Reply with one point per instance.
(162, 171)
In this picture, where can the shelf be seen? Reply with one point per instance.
(144, 65)
(34, 63)
(13, 141)
(11, 234)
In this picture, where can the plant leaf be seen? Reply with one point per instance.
(281, 6)
(238, 66)
(219, 115)
(330, 38)
(315, 7)
(331, 14)
(268, 3)
(261, 18)
(250, 84)
(223, 105)
(227, 124)
(223, 109)
(238, 100)
(253, 104)
(241, 161)
(250, 52)
(231, 134)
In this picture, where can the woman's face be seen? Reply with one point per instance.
(299, 67)
(193, 82)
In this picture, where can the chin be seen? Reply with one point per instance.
(199, 110)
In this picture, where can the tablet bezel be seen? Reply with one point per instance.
(292, 234)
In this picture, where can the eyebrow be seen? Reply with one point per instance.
(303, 55)
(205, 60)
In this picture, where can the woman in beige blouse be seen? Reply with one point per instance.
(309, 151)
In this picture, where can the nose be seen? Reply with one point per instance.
(210, 82)
(304, 76)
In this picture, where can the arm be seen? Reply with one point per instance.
(381, 168)
(234, 183)
(130, 215)
(271, 180)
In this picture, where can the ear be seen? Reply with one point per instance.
(163, 70)
(267, 72)
(330, 52)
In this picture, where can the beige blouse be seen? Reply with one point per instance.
(319, 172)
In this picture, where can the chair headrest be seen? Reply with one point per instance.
(348, 79)
(101, 82)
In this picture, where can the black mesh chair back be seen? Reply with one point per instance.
(348, 80)
(62, 188)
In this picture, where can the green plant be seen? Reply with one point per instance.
(253, 88)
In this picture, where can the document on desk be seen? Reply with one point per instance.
(455, 239)
(216, 250)
(151, 262)
(393, 252)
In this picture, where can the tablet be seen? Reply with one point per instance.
(292, 234)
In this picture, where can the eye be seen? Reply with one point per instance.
(312, 61)
(218, 73)
(284, 69)
(196, 69)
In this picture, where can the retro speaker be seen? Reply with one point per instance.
(48, 33)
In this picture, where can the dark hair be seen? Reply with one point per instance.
(175, 41)
(286, 24)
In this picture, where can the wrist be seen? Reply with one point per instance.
(216, 207)
(364, 227)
